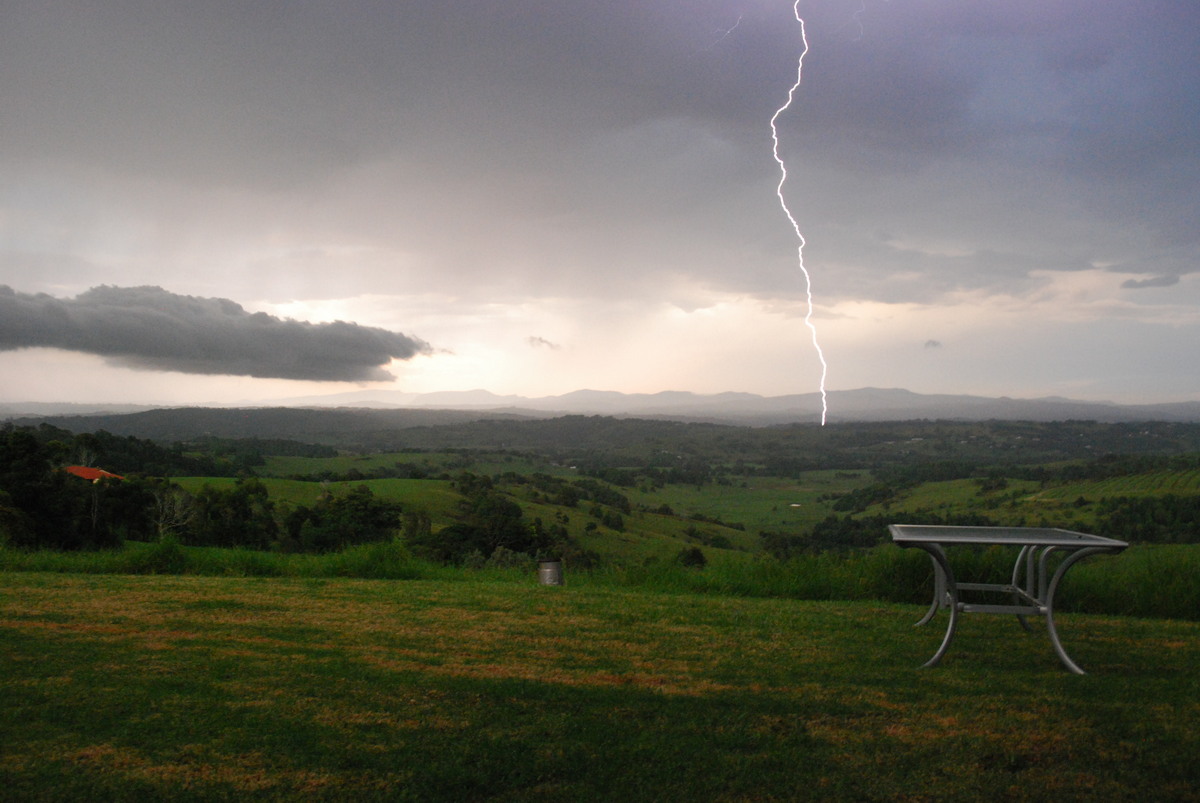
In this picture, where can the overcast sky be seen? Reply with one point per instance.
(999, 197)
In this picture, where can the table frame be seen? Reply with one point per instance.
(1032, 585)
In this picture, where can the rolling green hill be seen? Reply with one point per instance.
(626, 491)
(721, 517)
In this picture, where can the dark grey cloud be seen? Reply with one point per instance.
(281, 95)
(1156, 281)
(541, 342)
(152, 329)
(277, 92)
(620, 139)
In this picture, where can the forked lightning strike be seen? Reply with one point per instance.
(783, 174)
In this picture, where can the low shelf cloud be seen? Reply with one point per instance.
(152, 329)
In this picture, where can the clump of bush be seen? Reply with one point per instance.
(692, 558)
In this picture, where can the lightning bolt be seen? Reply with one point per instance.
(862, 9)
(726, 33)
(783, 175)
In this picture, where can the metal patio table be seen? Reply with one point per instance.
(1032, 587)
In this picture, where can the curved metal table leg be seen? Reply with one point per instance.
(1043, 575)
(1025, 558)
(939, 592)
(951, 590)
(1067, 563)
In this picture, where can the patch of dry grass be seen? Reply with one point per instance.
(207, 687)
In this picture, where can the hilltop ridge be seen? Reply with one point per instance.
(745, 409)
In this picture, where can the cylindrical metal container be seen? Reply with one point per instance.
(550, 572)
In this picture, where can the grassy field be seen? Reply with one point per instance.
(758, 503)
(206, 688)
(1156, 483)
(434, 463)
(1023, 501)
(751, 504)
(432, 496)
(764, 503)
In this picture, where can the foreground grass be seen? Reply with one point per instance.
(186, 687)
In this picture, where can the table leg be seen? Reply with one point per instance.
(1043, 573)
(939, 592)
(942, 567)
(1024, 560)
(1067, 563)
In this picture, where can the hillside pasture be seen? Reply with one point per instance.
(1018, 501)
(727, 516)
(288, 466)
(646, 536)
(435, 497)
(433, 463)
(1155, 483)
(757, 503)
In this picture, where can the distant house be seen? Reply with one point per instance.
(92, 474)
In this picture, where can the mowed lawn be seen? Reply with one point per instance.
(132, 688)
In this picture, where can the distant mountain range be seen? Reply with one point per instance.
(864, 404)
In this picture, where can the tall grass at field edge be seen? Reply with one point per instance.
(381, 561)
(1159, 581)
(1156, 581)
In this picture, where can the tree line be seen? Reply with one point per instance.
(44, 506)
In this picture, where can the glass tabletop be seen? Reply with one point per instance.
(1015, 536)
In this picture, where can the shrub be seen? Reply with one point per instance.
(692, 557)
(383, 560)
(161, 557)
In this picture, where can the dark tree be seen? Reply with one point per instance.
(241, 516)
(42, 507)
(336, 522)
(490, 521)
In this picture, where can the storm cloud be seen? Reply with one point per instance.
(152, 329)
(1014, 177)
